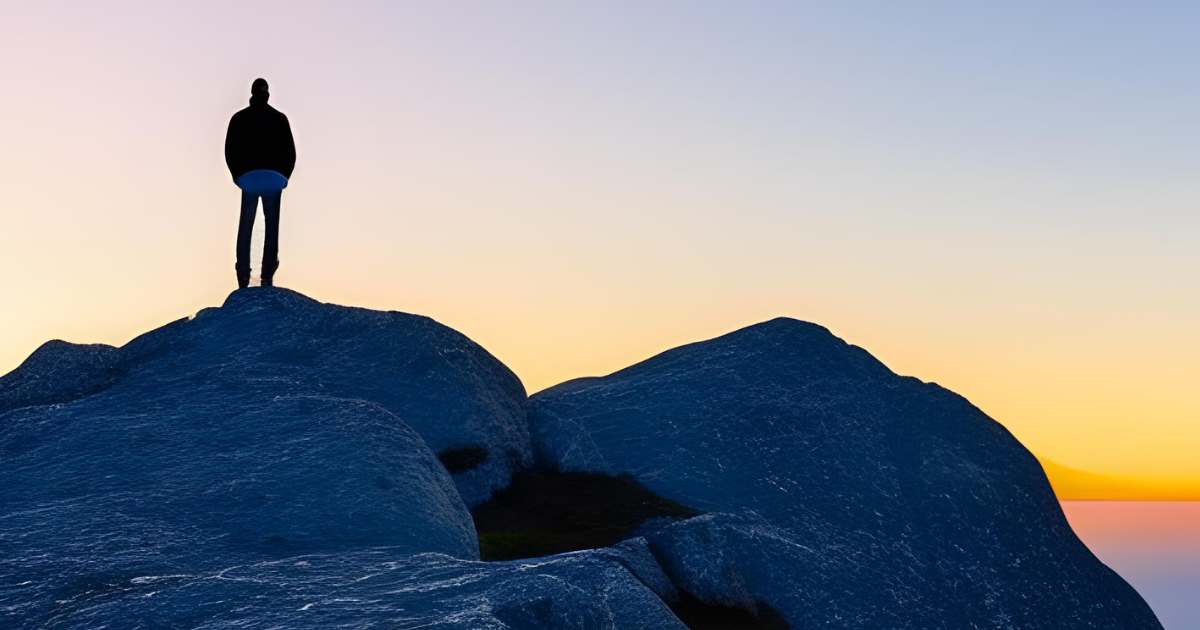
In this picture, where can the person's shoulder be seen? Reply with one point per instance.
(277, 113)
(240, 114)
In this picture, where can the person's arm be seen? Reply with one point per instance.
(232, 150)
(289, 149)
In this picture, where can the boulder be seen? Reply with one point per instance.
(907, 495)
(271, 427)
(443, 385)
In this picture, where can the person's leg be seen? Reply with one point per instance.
(245, 229)
(270, 263)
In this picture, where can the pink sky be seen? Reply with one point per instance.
(1155, 546)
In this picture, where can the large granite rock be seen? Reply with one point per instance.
(270, 427)
(440, 383)
(881, 501)
(274, 463)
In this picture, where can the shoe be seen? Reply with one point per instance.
(268, 273)
(243, 276)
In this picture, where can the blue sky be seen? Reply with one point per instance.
(999, 197)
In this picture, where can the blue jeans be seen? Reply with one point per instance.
(270, 203)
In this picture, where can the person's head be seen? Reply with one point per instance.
(259, 93)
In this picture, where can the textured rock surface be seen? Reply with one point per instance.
(270, 427)
(59, 371)
(377, 587)
(875, 493)
(443, 385)
(271, 463)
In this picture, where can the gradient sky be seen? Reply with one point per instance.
(1155, 546)
(1000, 197)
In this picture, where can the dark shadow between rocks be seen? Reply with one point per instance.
(460, 460)
(543, 513)
(699, 615)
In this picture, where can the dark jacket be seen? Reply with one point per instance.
(259, 137)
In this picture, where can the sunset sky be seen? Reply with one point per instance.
(1001, 198)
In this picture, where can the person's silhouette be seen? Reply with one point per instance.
(261, 154)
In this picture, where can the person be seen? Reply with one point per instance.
(261, 154)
